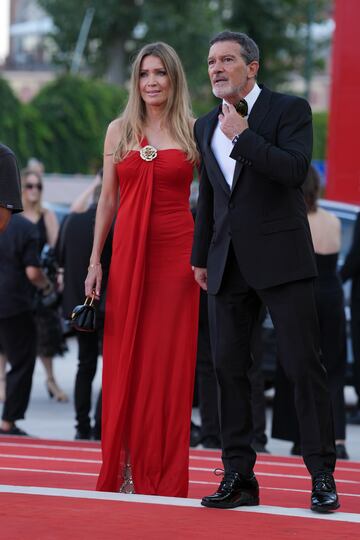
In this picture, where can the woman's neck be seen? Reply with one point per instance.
(155, 117)
(32, 208)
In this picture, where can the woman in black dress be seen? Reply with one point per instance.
(326, 235)
(49, 330)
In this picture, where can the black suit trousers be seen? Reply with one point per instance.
(18, 341)
(233, 313)
(88, 357)
(207, 384)
(355, 338)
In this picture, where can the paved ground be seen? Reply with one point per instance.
(48, 419)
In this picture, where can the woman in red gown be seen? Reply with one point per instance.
(152, 300)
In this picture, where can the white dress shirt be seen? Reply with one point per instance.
(222, 146)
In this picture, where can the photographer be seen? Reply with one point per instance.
(10, 195)
(19, 268)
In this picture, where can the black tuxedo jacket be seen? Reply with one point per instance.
(264, 213)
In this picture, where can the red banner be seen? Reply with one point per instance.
(343, 149)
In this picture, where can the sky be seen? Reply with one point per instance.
(4, 28)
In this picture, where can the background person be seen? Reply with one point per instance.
(33, 164)
(10, 202)
(49, 328)
(19, 267)
(351, 270)
(252, 245)
(10, 191)
(73, 251)
(152, 300)
(86, 198)
(208, 434)
(326, 235)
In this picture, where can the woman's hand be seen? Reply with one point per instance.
(93, 280)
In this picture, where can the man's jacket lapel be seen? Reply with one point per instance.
(211, 161)
(258, 112)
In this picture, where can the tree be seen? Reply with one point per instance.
(76, 112)
(120, 27)
(187, 26)
(280, 28)
(11, 130)
(111, 29)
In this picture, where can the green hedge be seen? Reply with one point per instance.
(320, 123)
(12, 129)
(64, 125)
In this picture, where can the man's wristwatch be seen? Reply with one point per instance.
(236, 138)
(47, 289)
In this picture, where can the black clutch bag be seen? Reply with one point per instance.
(83, 317)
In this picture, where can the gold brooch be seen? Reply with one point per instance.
(148, 153)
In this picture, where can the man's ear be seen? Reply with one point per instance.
(252, 69)
(5, 216)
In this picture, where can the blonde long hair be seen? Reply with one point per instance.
(177, 111)
(25, 173)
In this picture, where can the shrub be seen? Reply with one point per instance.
(320, 123)
(76, 112)
(12, 131)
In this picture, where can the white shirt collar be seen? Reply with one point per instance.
(251, 97)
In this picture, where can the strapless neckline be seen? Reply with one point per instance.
(145, 142)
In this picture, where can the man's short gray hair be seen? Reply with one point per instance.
(249, 49)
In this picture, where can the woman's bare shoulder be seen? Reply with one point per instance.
(114, 127)
(329, 217)
(112, 136)
(47, 213)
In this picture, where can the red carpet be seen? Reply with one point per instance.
(29, 512)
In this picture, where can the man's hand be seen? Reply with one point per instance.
(231, 123)
(200, 275)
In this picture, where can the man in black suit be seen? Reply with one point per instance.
(252, 244)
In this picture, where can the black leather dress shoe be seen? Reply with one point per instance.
(260, 448)
(211, 441)
(235, 490)
(14, 431)
(83, 435)
(324, 497)
(353, 417)
(195, 434)
(341, 452)
(295, 449)
(96, 433)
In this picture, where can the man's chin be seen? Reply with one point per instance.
(223, 93)
(219, 93)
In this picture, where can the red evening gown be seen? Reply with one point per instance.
(150, 333)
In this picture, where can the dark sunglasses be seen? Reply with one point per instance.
(33, 186)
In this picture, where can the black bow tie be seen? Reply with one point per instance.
(242, 107)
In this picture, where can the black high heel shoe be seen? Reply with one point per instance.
(55, 392)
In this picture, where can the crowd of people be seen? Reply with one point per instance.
(259, 240)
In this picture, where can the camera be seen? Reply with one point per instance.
(50, 268)
(49, 263)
